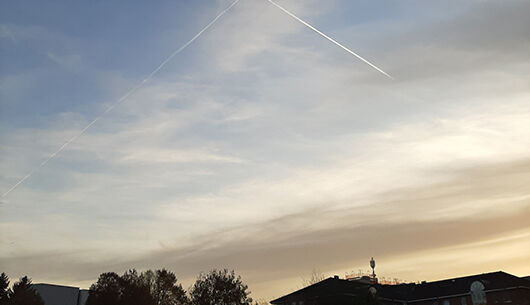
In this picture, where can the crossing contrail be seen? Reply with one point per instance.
(122, 99)
(330, 39)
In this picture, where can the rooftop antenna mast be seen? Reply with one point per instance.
(372, 265)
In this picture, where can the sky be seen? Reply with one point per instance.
(263, 147)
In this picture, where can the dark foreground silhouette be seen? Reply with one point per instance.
(158, 287)
(22, 293)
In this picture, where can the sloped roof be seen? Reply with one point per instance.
(332, 285)
(410, 292)
(450, 287)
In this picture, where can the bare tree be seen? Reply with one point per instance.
(261, 302)
(315, 277)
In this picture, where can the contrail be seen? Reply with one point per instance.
(122, 99)
(330, 39)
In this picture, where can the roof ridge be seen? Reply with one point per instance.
(57, 285)
(469, 276)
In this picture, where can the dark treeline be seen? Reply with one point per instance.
(159, 287)
(20, 294)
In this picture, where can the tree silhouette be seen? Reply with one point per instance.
(106, 291)
(148, 288)
(164, 288)
(23, 294)
(134, 290)
(4, 289)
(219, 287)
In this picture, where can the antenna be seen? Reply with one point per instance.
(372, 264)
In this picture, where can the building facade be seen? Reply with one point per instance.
(61, 295)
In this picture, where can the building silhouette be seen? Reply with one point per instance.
(480, 289)
(61, 295)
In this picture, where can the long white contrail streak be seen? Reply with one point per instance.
(330, 39)
(122, 99)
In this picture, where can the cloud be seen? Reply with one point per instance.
(488, 39)
(66, 61)
(175, 156)
(394, 228)
(291, 162)
(6, 33)
(246, 40)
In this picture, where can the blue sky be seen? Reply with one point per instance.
(262, 146)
